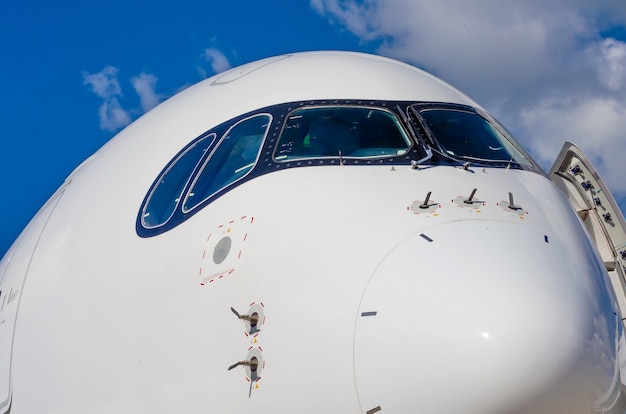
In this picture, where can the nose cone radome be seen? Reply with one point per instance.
(473, 317)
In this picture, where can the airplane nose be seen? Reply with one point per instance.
(474, 317)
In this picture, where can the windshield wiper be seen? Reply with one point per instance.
(420, 126)
(417, 137)
(510, 162)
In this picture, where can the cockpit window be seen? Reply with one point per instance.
(350, 132)
(167, 190)
(467, 135)
(322, 133)
(231, 160)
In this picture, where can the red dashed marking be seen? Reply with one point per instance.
(246, 333)
(252, 304)
(255, 335)
(264, 320)
(263, 366)
(262, 305)
(247, 379)
(250, 348)
(260, 349)
(220, 275)
(213, 277)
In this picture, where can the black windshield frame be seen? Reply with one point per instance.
(460, 133)
(422, 148)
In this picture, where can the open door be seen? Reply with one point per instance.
(580, 182)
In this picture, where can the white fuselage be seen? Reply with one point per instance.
(367, 300)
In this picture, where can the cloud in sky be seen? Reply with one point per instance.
(218, 61)
(144, 84)
(112, 115)
(609, 59)
(106, 85)
(543, 68)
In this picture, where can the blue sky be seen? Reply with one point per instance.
(75, 73)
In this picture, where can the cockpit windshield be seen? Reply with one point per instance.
(322, 133)
(351, 132)
(468, 136)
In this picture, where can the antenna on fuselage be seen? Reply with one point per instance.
(470, 199)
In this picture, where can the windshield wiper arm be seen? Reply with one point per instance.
(417, 137)
(510, 162)
(420, 125)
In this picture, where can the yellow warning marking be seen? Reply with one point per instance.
(254, 340)
(228, 231)
(435, 214)
(256, 386)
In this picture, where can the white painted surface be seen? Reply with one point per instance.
(497, 309)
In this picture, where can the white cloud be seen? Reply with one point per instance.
(541, 67)
(106, 86)
(596, 125)
(609, 58)
(218, 61)
(112, 115)
(144, 85)
(104, 83)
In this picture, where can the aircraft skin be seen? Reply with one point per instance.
(410, 282)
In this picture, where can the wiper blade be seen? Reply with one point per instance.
(417, 137)
(421, 123)
(508, 162)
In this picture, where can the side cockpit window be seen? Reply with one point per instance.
(351, 132)
(233, 157)
(167, 190)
